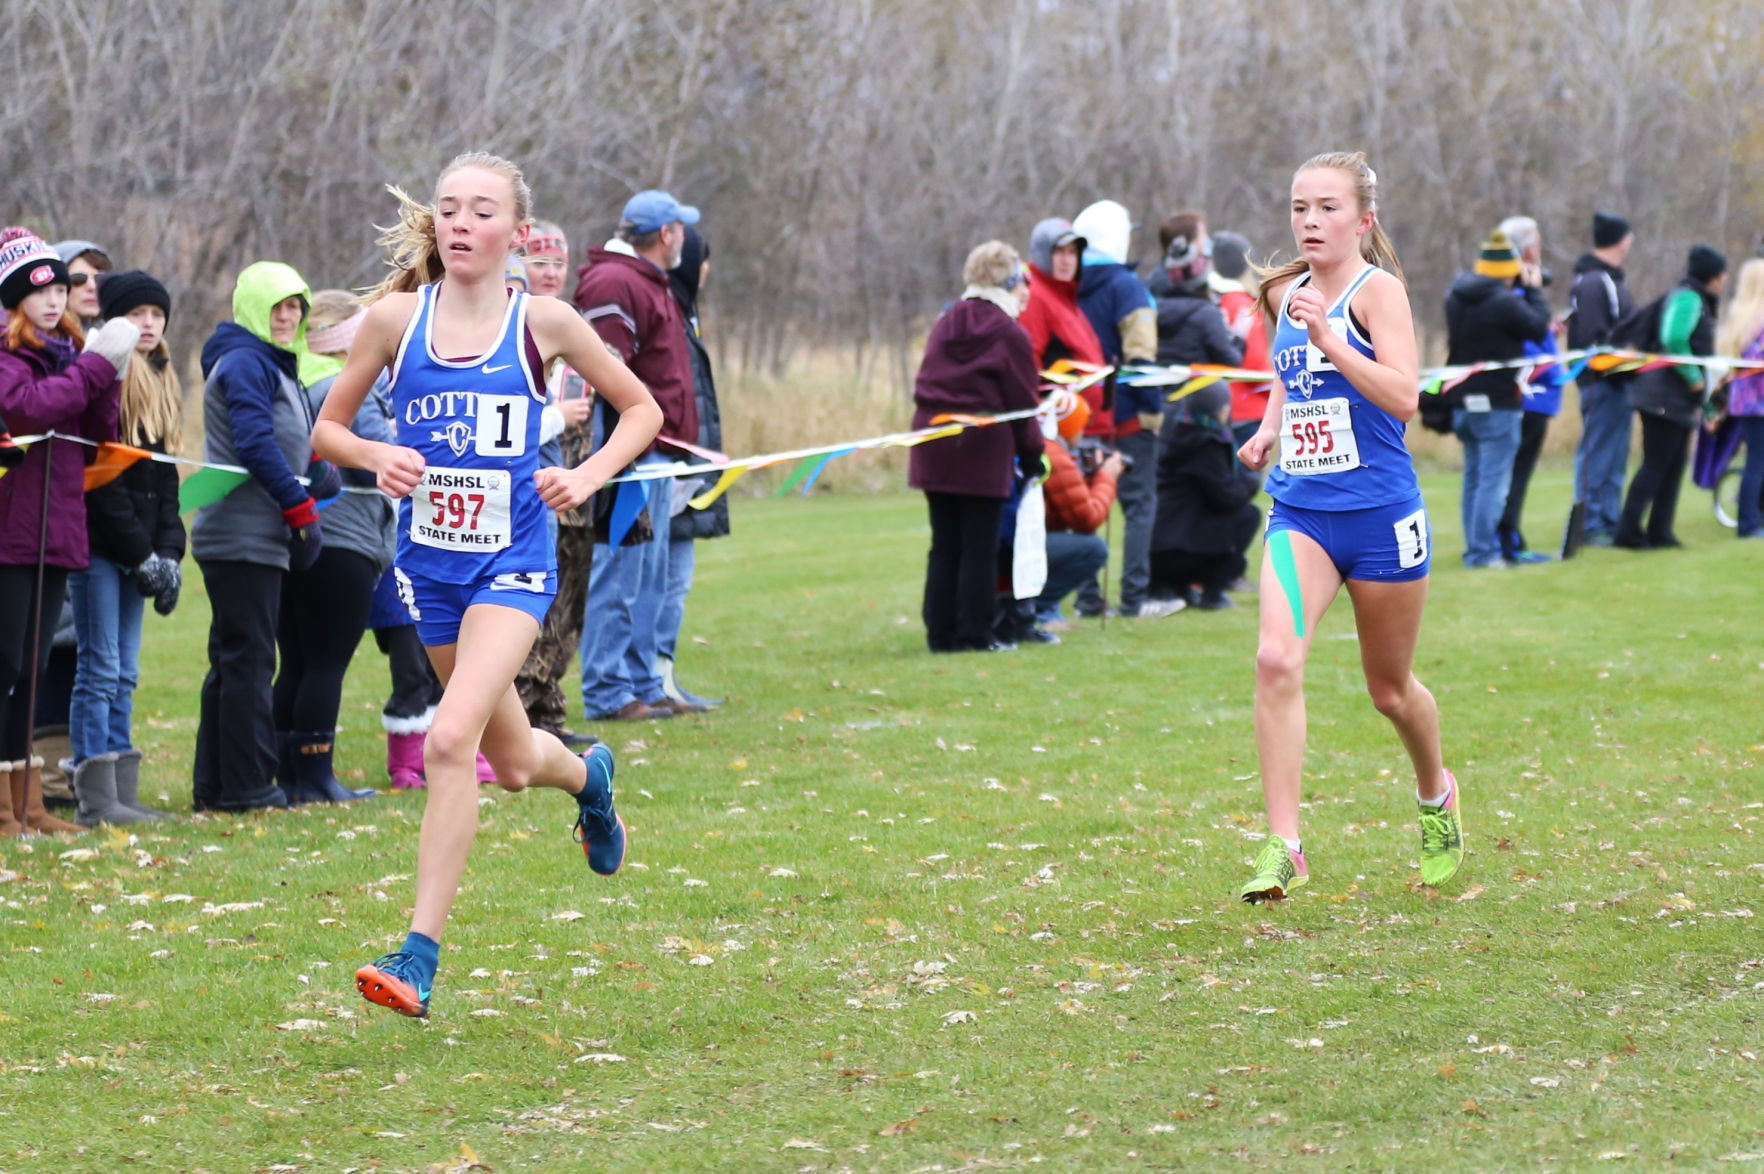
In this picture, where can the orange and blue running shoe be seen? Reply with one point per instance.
(598, 828)
(397, 981)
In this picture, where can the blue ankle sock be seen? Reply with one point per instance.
(425, 950)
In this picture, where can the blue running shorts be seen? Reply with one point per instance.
(1383, 544)
(438, 608)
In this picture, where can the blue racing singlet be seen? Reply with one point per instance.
(475, 514)
(1338, 449)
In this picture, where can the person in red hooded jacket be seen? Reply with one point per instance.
(1057, 328)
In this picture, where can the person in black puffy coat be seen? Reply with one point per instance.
(137, 551)
(1206, 519)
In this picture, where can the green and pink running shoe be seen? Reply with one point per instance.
(1442, 838)
(1279, 870)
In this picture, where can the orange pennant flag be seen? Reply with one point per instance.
(110, 462)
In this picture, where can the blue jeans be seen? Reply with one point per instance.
(681, 561)
(1071, 560)
(1603, 455)
(626, 586)
(1752, 480)
(1491, 441)
(107, 625)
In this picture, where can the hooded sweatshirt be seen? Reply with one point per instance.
(1488, 319)
(1119, 307)
(254, 414)
(1057, 328)
(1597, 301)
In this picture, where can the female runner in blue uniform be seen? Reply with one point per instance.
(1347, 508)
(475, 563)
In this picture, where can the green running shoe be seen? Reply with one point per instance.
(1279, 870)
(1442, 838)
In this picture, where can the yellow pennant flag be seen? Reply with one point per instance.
(916, 441)
(728, 478)
(1193, 385)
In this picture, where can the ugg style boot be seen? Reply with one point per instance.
(128, 784)
(94, 784)
(404, 761)
(309, 756)
(35, 816)
(9, 825)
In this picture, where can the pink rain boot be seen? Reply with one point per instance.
(486, 772)
(404, 761)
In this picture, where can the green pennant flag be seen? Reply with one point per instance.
(803, 469)
(207, 486)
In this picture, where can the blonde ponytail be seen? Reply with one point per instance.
(412, 248)
(1375, 246)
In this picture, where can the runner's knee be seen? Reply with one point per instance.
(1389, 697)
(1279, 663)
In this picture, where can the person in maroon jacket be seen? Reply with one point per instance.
(977, 361)
(625, 295)
(45, 384)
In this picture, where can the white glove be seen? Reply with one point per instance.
(115, 341)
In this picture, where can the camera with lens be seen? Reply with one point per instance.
(1092, 454)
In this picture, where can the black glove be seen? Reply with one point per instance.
(153, 575)
(168, 598)
(306, 539)
(323, 480)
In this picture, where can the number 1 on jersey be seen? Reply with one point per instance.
(1411, 537)
(501, 428)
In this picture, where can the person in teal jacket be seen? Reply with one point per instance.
(1670, 402)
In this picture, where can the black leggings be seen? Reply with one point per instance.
(1665, 452)
(961, 574)
(325, 610)
(1532, 429)
(18, 588)
(415, 687)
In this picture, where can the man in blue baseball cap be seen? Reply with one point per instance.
(624, 293)
(654, 211)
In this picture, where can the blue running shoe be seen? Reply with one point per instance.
(599, 829)
(396, 981)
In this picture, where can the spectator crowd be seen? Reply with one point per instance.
(298, 560)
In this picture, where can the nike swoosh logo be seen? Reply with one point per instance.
(489, 370)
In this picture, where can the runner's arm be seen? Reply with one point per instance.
(1257, 450)
(1392, 380)
(561, 332)
(396, 469)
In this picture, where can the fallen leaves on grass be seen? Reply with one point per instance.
(466, 1161)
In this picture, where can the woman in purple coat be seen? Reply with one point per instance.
(977, 361)
(45, 383)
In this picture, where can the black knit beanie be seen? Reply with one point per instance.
(1705, 264)
(1608, 229)
(118, 293)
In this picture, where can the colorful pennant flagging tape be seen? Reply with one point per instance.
(210, 482)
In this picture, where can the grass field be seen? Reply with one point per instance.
(895, 913)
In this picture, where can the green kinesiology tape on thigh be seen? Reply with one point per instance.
(1280, 550)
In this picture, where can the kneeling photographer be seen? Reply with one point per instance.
(1080, 490)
